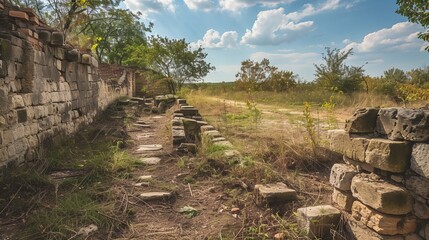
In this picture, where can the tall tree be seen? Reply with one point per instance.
(417, 11)
(111, 31)
(173, 58)
(395, 75)
(336, 75)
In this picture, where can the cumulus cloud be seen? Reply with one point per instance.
(204, 5)
(150, 6)
(400, 37)
(213, 39)
(274, 26)
(235, 5)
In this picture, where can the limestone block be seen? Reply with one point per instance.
(176, 122)
(412, 125)
(339, 140)
(3, 69)
(383, 223)
(392, 156)
(381, 195)
(206, 128)
(4, 100)
(180, 101)
(318, 221)
(362, 121)
(421, 209)
(355, 230)
(226, 144)
(356, 148)
(191, 128)
(94, 62)
(189, 112)
(386, 121)
(7, 137)
(420, 159)
(341, 176)
(57, 39)
(273, 193)
(72, 55)
(21, 115)
(59, 53)
(19, 14)
(342, 199)
(211, 134)
(418, 185)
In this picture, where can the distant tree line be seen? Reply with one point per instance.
(336, 76)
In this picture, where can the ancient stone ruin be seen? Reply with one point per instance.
(47, 87)
(382, 187)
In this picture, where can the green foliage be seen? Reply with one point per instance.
(254, 112)
(336, 75)
(310, 126)
(255, 76)
(329, 107)
(173, 59)
(417, 12)
(189, 212)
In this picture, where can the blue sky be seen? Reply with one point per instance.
(292, 34)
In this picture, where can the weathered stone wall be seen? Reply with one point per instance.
(46, 87)
(383, 184)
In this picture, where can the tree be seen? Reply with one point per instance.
(173, 58)
(336, 75)
(112, 31)
(282, 81)
(417, 12)
(253, 74)
(395, 75)
(419, 77)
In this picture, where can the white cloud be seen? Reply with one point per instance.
(213, 39)
(310, 10)
(236, 5)
(204, 5)
(150, 6)
(400, 37)
(273, 27)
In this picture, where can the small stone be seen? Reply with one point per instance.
(142, 184)
(226, 144)
(188, 148)
(235, 210)
(381, 195)
(145, 177)
(206, 128)
(150, 147)
(279, 236)
(318, 221)
(153, 196)
(273, 193)
(150, 160)
(341, 176)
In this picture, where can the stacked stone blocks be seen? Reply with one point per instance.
(383, 186)
(46, 87)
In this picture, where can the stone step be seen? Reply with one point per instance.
(149, 148)
(273, 193)
(145, 177)
(150, 160)
(141, 125)
(318, 221)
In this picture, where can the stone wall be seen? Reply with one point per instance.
(47, 88)
(383, 185)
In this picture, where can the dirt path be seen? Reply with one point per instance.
(160, 218)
